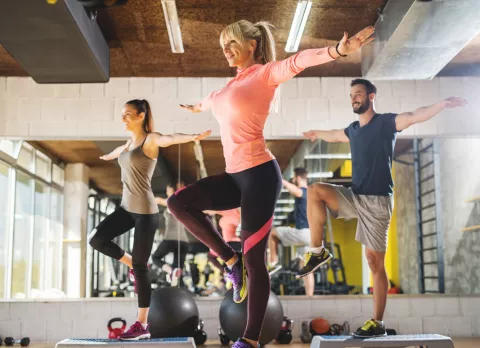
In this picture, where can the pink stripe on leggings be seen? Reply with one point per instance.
(251, 241)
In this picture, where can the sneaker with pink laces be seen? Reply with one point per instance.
(135, 332)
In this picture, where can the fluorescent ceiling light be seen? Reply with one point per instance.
(318, 175)
(298, 25)
(329, 156)
(173, 25)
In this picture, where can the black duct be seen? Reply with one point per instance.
(54, 43)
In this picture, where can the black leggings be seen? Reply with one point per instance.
(116, 224)
(170, 246)
(255, 191)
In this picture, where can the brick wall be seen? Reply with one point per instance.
(92, 111)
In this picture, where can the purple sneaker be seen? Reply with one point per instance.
(238, 277)
(135, 332)
(241, 343)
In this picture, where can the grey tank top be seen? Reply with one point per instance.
(137, 171)
(174, 230)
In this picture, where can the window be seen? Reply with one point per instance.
(57, 175)
(21, 235)
(43, 166)
(11, 147)
(53, 275)
(4, 176)
(26, 158)
(41, 225)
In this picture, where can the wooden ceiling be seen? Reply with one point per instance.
(106, 175)
(139, 44)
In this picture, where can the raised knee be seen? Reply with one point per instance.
(316, 191)
(375, 262)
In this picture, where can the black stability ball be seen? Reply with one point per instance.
(173, 313)
(233, 318)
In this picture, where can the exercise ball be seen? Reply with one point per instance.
(173, 313)
(233, 318)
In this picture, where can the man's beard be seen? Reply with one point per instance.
(363, 107)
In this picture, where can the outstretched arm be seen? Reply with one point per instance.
(161, 201)
(281, 71)
(177, 138)
(406, 119)
(293, 189)
(330, 136)
(115, 153)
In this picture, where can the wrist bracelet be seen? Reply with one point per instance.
(336, 48)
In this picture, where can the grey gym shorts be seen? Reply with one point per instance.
(373, 214)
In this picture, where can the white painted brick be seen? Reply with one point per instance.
(207, 310)
(409, 132)
(123, 308)
(386, 105)
(14, 128)
(29, 109)
(48, 310)
(54, 109)
(470, 88)
(367, 306)
(334, 87)
(92, 90)
(43, 91)
(391, 323)
(470, 306)
(285, 128)
(428, 88)
(309, 87)
(114, 130)
(450, 86)
(317, 109)
(341, 114)
(384, 88)
(77, 109)
(20, 310)
(88, 129)
(289, 89)
(476, 325)
(311, 125)
(57, 130)
(164, 126)
(59, 330)
(429, 127)
(4, 311)
(403, 89)
(117, 88)
(19, 86)
(9, 108)
(3, 87)
(189, 87)
(410, 326)
(448, 306)
(294, 109)
(210, 85)
(325, 308)
(297, 308)
(355, 321)
(102, 110)
(165, 88)
(74, 310)
(460, 327)
(140, 87)
(411, 104)
(422, 307)
(436, 325)
(84, 329)
(398, 307)
(97, 309)
(33, 328)
(67, 90)
(10, 328)
(346, 307)
(170, 110)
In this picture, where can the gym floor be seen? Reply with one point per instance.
(458, 342)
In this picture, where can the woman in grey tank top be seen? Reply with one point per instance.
(137, 159)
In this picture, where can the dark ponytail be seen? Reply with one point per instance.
(143, 106)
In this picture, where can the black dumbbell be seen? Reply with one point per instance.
(9, 341)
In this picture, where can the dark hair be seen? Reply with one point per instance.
(143, 106)
(301, 172)
(370, 87)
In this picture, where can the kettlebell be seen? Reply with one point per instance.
(114, 333)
